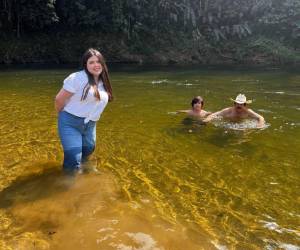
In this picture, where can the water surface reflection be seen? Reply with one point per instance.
(165, 182)
(86, 211)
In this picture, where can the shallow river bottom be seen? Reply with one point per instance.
(166, 181)
(87, 211)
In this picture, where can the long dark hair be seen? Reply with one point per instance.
(91, 81)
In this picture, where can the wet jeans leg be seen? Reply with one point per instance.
(71, 139)
(88, 140)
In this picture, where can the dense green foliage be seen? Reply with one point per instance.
(144, 26)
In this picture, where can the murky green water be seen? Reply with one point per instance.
(165, 182)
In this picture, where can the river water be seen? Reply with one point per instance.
(164, 181)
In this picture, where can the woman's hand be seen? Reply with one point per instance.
(61, 98)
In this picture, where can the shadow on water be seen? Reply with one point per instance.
(188, 121)
(45, 203)
(226, 133)
(222, 134)
(237, 142)
(36, 187)
(47, 210)
(221, 137)
(188, 125)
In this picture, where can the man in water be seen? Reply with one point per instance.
(196, 111)
(238, 112)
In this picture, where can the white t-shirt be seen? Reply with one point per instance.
(91, 108)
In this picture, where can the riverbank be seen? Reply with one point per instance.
(66, 48)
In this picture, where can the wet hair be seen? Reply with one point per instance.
(197, 99)
(91, 81)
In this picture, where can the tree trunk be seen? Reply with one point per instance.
(18, 19)
(18, 26)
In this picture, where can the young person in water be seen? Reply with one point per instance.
(238, 112)
(196, 111)
(79, 104)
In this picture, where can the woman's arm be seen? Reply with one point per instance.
(182, 111)
(61, 98)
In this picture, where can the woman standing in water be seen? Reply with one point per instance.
(79, 104)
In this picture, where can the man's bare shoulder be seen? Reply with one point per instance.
(221, 112)
(226, 111)
(253, 114)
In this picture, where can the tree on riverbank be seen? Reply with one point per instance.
(151, 30)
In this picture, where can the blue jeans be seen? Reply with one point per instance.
(78, 139)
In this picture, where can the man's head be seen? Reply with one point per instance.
(239, 107)
(197, 102)
(240, 102)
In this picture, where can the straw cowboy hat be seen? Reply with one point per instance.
(241, 99)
